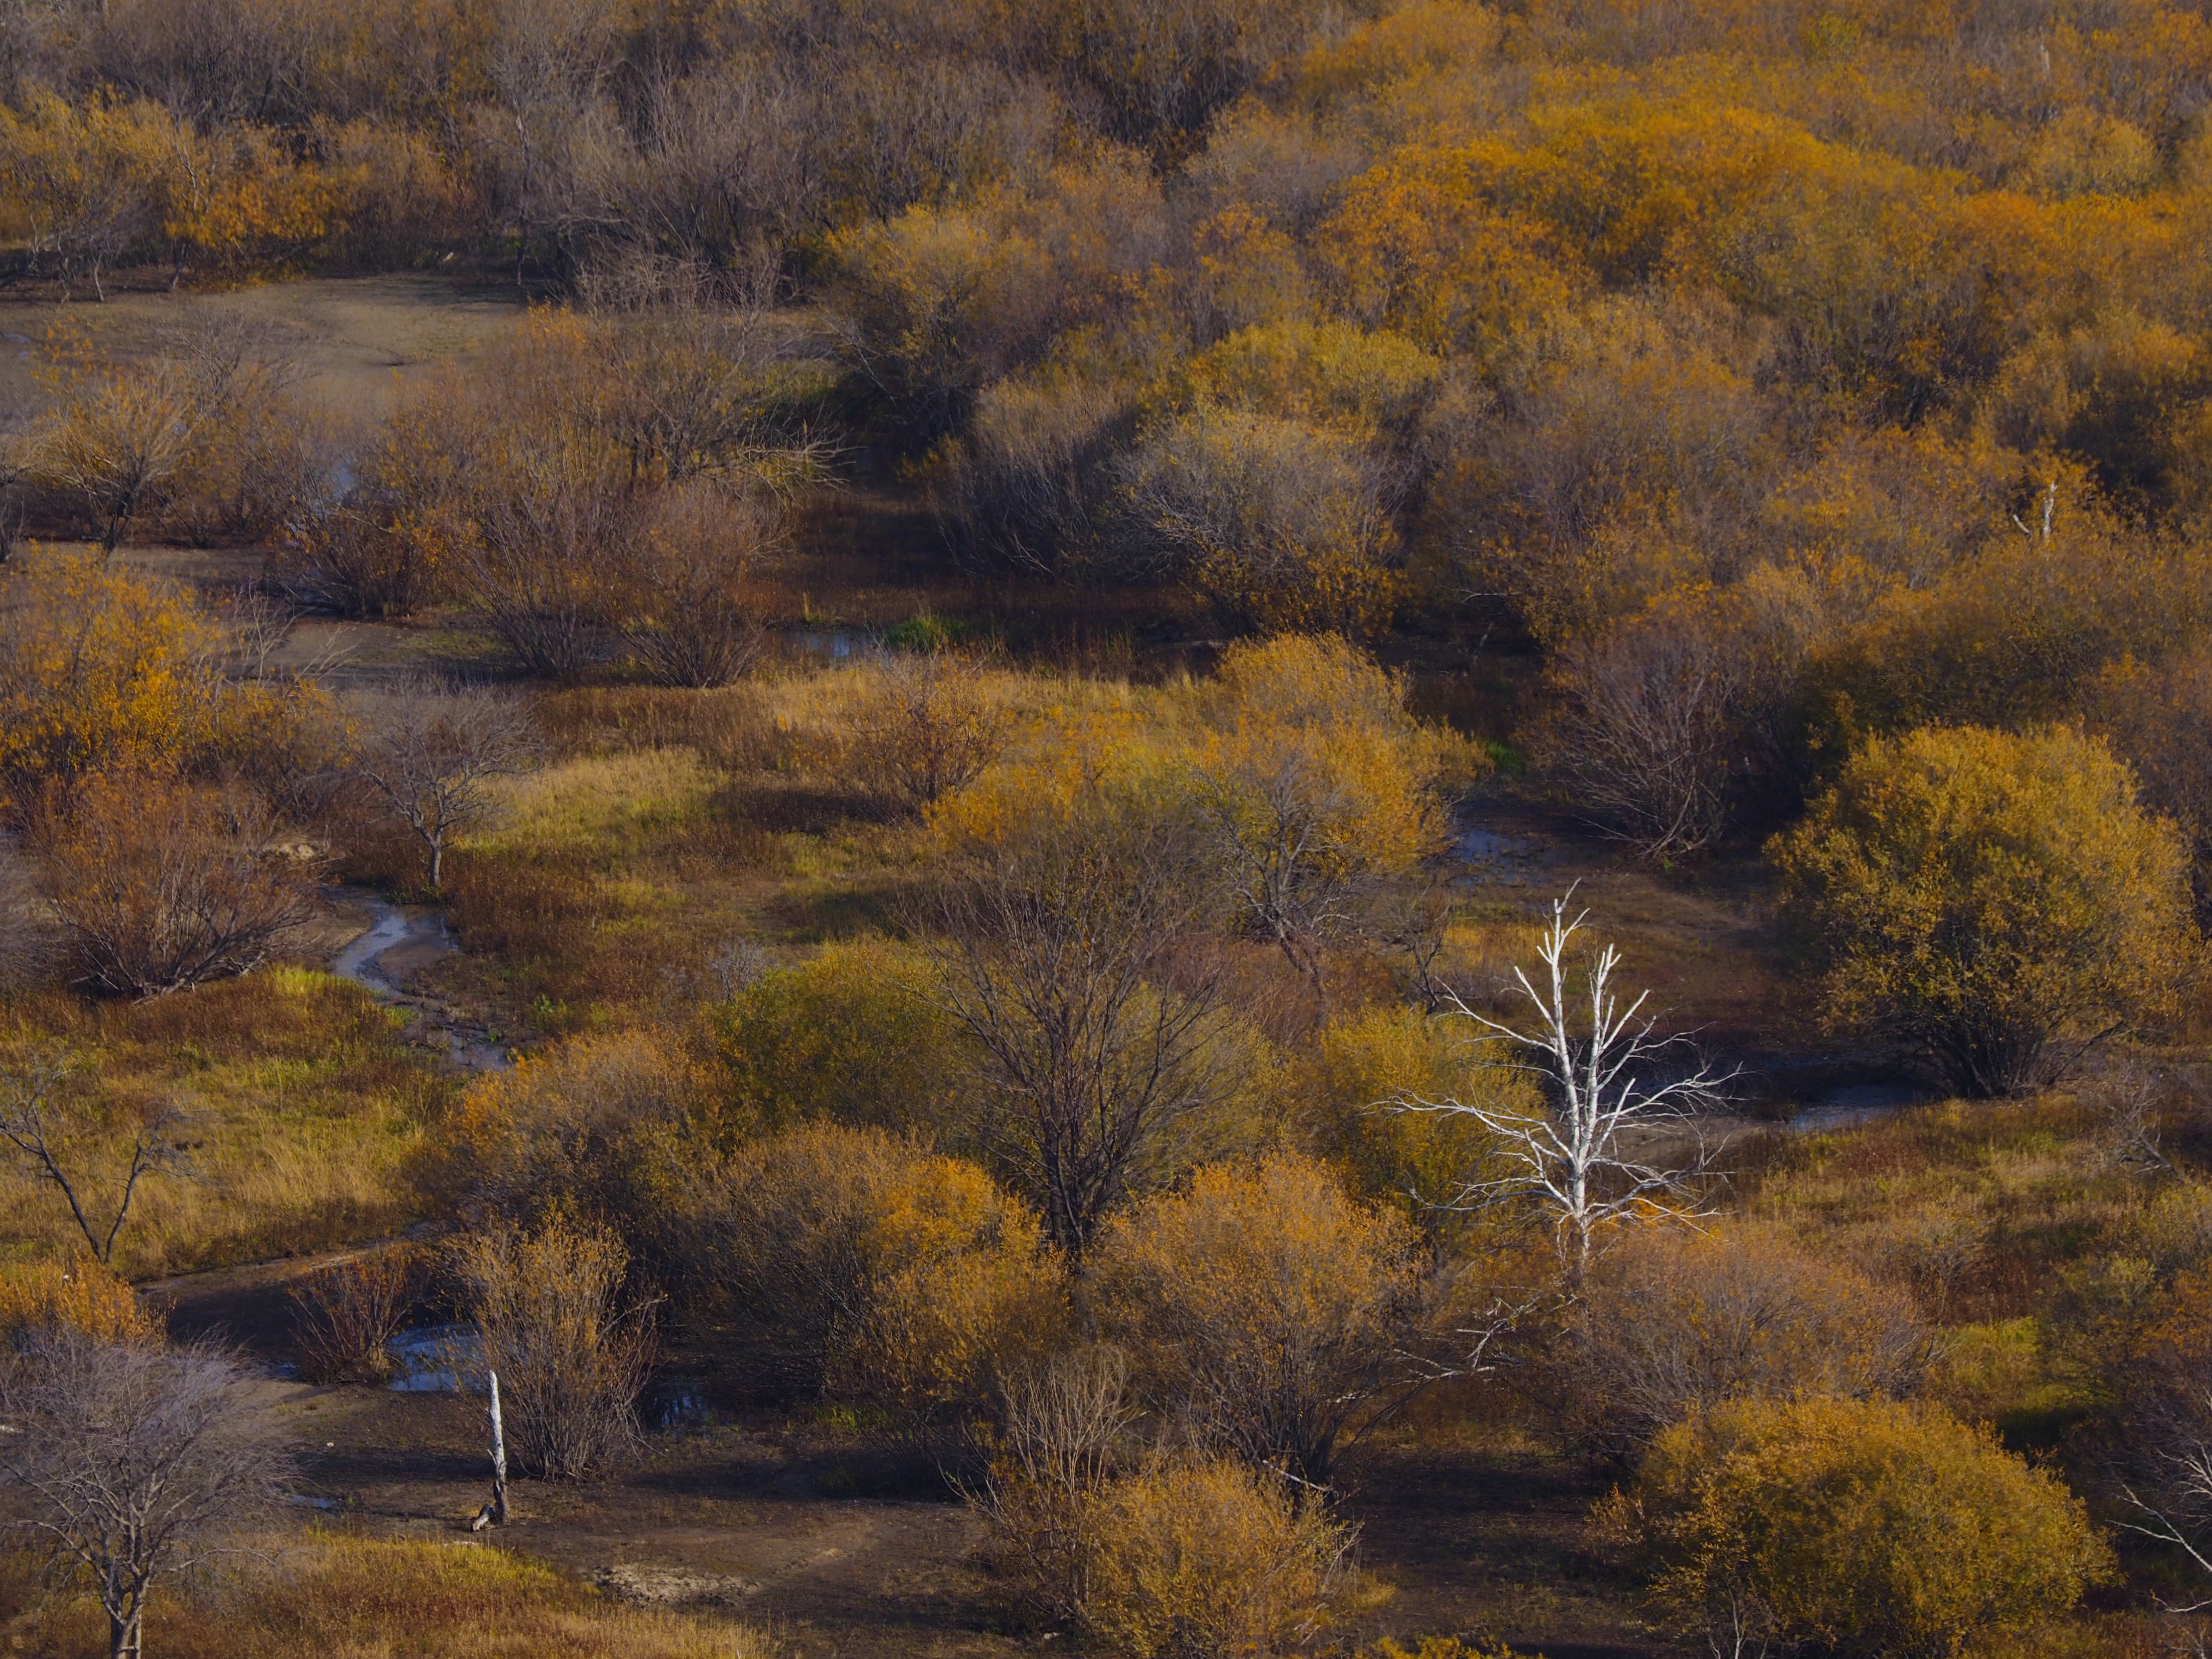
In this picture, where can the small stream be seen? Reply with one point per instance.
(399, 941)
(449, 1359)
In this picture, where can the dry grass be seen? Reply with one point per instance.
(2004, 1220)
(680, 822)
(304, 1109)
(348, 1598)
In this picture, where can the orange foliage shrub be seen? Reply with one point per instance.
(846, 1262)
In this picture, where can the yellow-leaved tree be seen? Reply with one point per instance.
(99, 667)
(1314, 786)
(1997, 902)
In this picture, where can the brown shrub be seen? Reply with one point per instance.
(570, 1349)
(1671, 1324)
(160, 885)
(928, 722)
(344, 1316)
(583, 1127)
(682, 608)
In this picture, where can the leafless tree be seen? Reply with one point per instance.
(257, 624)
(1284, 835)
(1414, 920)
(2159, 1457)
(683, 610)
(538, 568)
(134, 1463)
(1055, 950)
(705, 392)
(1647, 731)
(44, 1126)
(432, 753)
(2128, 1098)
(161, 886)
(1613, 1095)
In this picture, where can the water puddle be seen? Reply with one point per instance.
(675, 1403)
(420, 934)
(437, 1359)
(838, 645)
(399, 943)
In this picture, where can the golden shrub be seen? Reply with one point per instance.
(99, 667)
(1313, 784)
(844, 1261)
(1867, 1528)
(1265, 1310)
(842, 1037)
(1983, 896)
(80, 1294)
(1416, 1161)
(1189, 1560)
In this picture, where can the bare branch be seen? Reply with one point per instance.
(1608, 1088)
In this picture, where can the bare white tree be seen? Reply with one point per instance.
(134, 1462)
(431, 753)
(1615, 1095)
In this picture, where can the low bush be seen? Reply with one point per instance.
(1186, 1557)
(928, 722)
(1267, 1310)
(847, 1262)
(160, 885)
(1189, 1560)
(1857, 1528)
(1671, 1324)
(344, 1316)
(580, 1127)
(79, 1294)
(840, 1038)
(570, 1348)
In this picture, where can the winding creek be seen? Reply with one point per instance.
(399, 942)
